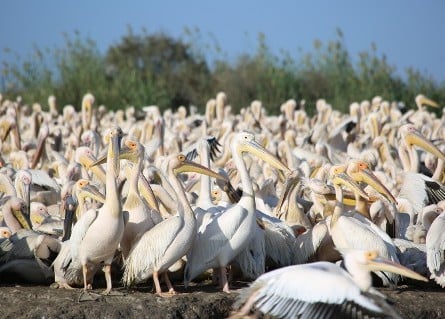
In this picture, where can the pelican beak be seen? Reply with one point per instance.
(70, 207)
(189, 166)
(382, 264)
(415, 138)
(37, 220)
(368, 177)
(346, 180)
(102, 159)
(423, 100)
(92, 192)
(256, 149)
(23, 218)
(290, 183)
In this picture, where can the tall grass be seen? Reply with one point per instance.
(144, 68)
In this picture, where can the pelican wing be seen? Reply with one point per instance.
(211, 241)
(147, 253)
(41, 178)
(435, 244)
(435, 191)
(317, 290)
(77, 235)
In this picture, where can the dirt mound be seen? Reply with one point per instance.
(200, 301)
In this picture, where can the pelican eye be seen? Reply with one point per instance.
(371, 255)
(363, 166)
(181, 158)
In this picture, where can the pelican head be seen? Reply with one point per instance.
(246, 142)
(411, 136)
(180, 164)
(359, 261)
(5, 232)
(132, 150)
(338, 176)
(359, 171)
(423, 100)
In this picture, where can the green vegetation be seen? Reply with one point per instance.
(144, 69)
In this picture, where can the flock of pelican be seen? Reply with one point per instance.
(305, 207)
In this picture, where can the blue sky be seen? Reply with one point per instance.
(408, 32)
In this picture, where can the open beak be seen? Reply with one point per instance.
(346, 180)
(415, 138)
(383, 264)
(368, 177)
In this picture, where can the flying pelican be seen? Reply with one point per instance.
(323, 289)
(165, 243)
(228, 233)
(96, 236)
(435, 250)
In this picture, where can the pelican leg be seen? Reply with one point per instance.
(85, 276)
(107, 271)
(171, 289)
(215, 276)
(223, 279)
(157, 284)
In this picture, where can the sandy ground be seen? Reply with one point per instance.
(199, 301)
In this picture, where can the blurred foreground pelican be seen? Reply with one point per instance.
(164, 244)
(323, 289)
(229, 232)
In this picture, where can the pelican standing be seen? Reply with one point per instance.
(165, 243)
(96, 236)
(229, 233)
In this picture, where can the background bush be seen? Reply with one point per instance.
(154, 68)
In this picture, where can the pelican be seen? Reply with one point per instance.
(350, 232)
(140, 217)
(435, 250)
(96, 236)
(229, 232)
(165, 243)
(323, 289)
(419, 189)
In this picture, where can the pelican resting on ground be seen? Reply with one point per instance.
(323, 289)
(164, 244)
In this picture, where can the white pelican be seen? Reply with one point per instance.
(350, 232)
(323, 289)
(229, 233)
(96, 236)
(435, 250)
(417, 188)
(141, 218)
(168, 241)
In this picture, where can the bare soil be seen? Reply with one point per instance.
(202, 300)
